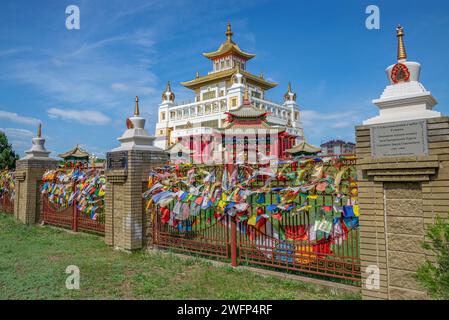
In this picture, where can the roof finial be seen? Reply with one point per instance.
(402, 55)
(229, 32)
(136, 107)
(39, 130)
(289, 87)
(246, 95)
(168, 88)
(197, 75)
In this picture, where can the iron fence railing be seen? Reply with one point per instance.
(322, 240)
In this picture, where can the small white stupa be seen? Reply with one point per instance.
(405, 98)
(37, 151)
(136, 137)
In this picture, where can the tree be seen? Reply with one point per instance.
(434, 273)
(7, 155)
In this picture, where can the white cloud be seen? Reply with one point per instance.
(14, 117)
(17, 133)
(321, 126)
(82, 116)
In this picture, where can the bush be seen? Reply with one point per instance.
(434, 275)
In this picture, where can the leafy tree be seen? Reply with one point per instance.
(7, 155)
(434, 275)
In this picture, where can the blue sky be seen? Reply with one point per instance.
(81, 83)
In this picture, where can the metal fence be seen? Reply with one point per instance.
(6, 204)
(67, 211)
(7, 194)
(69, 217)
(285, 242)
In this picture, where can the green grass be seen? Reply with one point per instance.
(33, 260)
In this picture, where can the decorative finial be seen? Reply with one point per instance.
(261, 75)
(197, 75)
(402, 55)
(136, 107)
(246, 95)
(229, 32)
(168, 88)
(289, 95)
(39, 130)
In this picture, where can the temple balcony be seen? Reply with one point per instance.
(215, 108)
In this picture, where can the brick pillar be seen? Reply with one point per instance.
(27, 198)
(399, 198)
(124, 212)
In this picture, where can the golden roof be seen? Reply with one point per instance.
(304, 147)
(228, 47)
(225, 74)
(76, 152)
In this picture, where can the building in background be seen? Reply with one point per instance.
(219, 92)
(75, 155)
(246, 137)
(336, 147)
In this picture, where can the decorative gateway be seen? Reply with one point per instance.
(299, 214)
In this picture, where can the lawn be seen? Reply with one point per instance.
(33, 261)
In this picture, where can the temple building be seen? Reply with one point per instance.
(219, 95)
(75, 155)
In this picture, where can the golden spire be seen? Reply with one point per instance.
(246, 95)
(136, 107)
(402, 55)
(229, 32)
(39, 130)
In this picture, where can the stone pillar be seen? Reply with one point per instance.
(399, 198)
(27, 199)
(29, 171)
(127, 172)
(125, 214)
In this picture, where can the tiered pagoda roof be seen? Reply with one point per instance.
(248, 116)
(228, 47)
(76, 152)
(304, 148)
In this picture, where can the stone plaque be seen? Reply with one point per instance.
(399, 139)
(117, 160)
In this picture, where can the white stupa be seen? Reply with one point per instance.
(136, 137)
(405, 98)
(37, 151)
